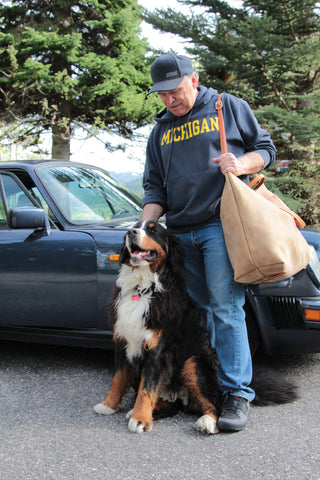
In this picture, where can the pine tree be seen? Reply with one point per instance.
(68, 63)
(266, 52)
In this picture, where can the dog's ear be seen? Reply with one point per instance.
(124, 253)
(175, 251)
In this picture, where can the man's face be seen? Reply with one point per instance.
(181, 100)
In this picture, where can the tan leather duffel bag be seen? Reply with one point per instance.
(261, 234)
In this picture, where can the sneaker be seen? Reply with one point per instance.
(234, 413)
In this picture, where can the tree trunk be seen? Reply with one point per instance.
(60, 143)
(61, 132)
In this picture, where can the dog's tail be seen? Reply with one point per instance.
(271, 388)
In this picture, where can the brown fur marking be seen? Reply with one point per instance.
(119, 386)
(153, 343)
(197, 400)
(144, 405)
(149, 244)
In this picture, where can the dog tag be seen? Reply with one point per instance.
(135, 297)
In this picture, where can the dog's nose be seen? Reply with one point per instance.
(134, 232)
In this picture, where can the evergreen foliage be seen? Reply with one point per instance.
(266, 52)
(65, 63)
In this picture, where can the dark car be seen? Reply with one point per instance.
(61, 230)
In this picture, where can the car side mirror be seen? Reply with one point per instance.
(29, 217)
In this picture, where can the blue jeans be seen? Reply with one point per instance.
(209, 279)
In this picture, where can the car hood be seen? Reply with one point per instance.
(108, 238)
(117, 224)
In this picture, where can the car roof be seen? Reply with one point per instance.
(30, 164)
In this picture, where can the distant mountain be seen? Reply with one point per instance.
(131, 180)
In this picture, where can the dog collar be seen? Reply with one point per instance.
(135, 297)
(142, 291)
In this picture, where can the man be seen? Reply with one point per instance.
(184, 179)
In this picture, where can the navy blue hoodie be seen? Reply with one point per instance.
(179, 172)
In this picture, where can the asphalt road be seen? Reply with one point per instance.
(48, 430)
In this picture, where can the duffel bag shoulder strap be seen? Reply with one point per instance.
(223, 139)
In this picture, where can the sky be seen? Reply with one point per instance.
(93, 151)
(167, 41)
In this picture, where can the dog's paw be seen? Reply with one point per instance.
(128, 414)
(138, 427)
(206, 425)
(102, 409)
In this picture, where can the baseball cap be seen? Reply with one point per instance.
(168, 71)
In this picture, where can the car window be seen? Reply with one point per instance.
(35, 193)
(3, 217)
(14, 197)
(86, 195)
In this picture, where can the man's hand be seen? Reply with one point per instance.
(251, 162)
(152, 211)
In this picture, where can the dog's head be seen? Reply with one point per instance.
(149, 243)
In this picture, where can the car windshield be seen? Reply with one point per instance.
(87, 195)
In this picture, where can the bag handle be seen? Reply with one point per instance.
(223, 139)
(298, 220)
(258, 180)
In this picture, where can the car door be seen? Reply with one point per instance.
(47, 279)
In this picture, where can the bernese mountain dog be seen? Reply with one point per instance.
(162, 348)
